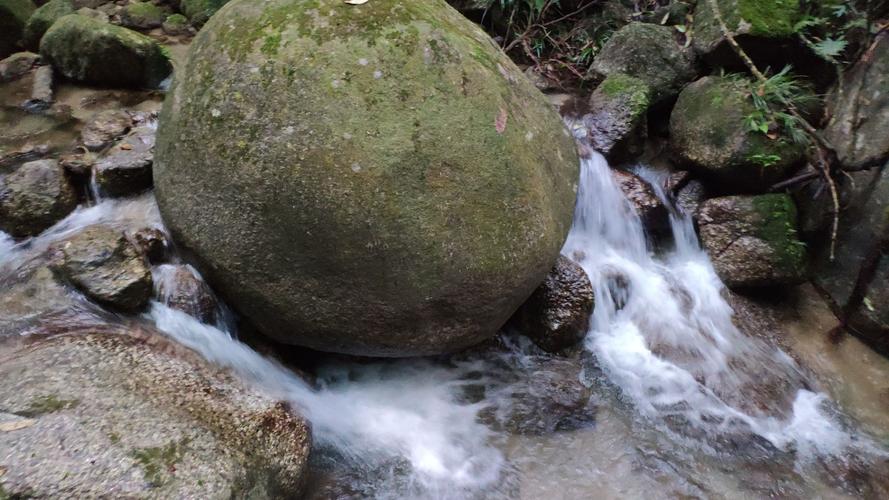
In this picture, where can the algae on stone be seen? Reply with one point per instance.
(43, 18)
(14, 15)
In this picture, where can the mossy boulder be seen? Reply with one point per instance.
(377, 179)
(14, 15)
(176, 24)
(142, 16)
(752, 240)
(91, 51)
(199, 11)
(710, 134)
(43, 18)
(650, 53)
(617, 123)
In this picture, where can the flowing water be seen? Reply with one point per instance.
(668, 398)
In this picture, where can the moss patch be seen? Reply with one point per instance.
(48, 404)
(158, 463)
(778, 228)
(772, 18)
(635, 91)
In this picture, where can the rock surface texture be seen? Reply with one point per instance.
(92, 416)
(752, 240)
(34, 197)
(618, 122)
(14, 15)
(415, 197)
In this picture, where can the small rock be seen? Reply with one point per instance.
(179, 287)
(126, 168)
(77, 164)
(690, 197)
(650, 53)
(618, 124)
(17, 65)
(752, 240)
(142, 16)
(91, 51)
(152, 243)
(41, 91)
(654, 215)
(24, 154)
(103, 264)
(104, 128)
(43, 18)
(34, 197)
(199, 11)
(176, 25)
(557, 314)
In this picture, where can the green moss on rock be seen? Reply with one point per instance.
(709, 131)
(142, 15)
(778, 216)
(633, 90)
(331, 136)
(14, 15)
(43, 18)
(199, 11)
(91, 51)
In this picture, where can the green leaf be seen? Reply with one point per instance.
(869, 305)
(830, 47)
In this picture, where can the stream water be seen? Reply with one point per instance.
(676, 401)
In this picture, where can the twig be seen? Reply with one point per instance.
(823, 165)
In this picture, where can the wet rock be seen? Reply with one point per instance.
(94, 14)
(179, 287)
(650, 53)
(860, 111)
(765, 29)
(617, 124)
(26, 153)
(654, 215)
(861, 260)
(557, 314)
(104, 128)
(199, 11)
(126, 168)
(77, 164)
(690, 196)
(752, 240)
(43, 18)
(143, 418)
(34, 197)
(142, 16)
(452, 264)
(548, 397)
(103, 264)
(41, 91)
(152, 243)
(710, 135)
(13, 16)
(176, 25)
(82, 49)
(17, 65)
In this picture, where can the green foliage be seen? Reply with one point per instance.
(838, 30)
(771, 101)
(765, 160)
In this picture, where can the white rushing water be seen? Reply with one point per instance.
(662, 334)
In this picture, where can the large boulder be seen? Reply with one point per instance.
(412, 200)
(43, 18)
(617, 122)
(710, 135)
(131, 415)
(34, 197)
(650, 53)
(557, 314)
(752, 240)
(88, 50)
(13, 16)
(107, 267)
(142, 16)
(860, 111)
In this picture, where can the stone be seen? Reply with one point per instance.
(94, 14)
(557, 314)
(176, 25)
(690, 196)
(142, 16)
(650, 53)
(135, 414)
(90, 51)
(43, 18)
(152, 243)
(28, 152)
(104, 128)
(180, 287)
(126, 168)
(710, 136)
(105, 266)
(434, 159)
(651, 210)
(41, 91)
(78, 164)
(618, 124)
(34, 197)
(13, 16)
(199, 11)
(17, 66)
(752, 240)
(860, 111)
